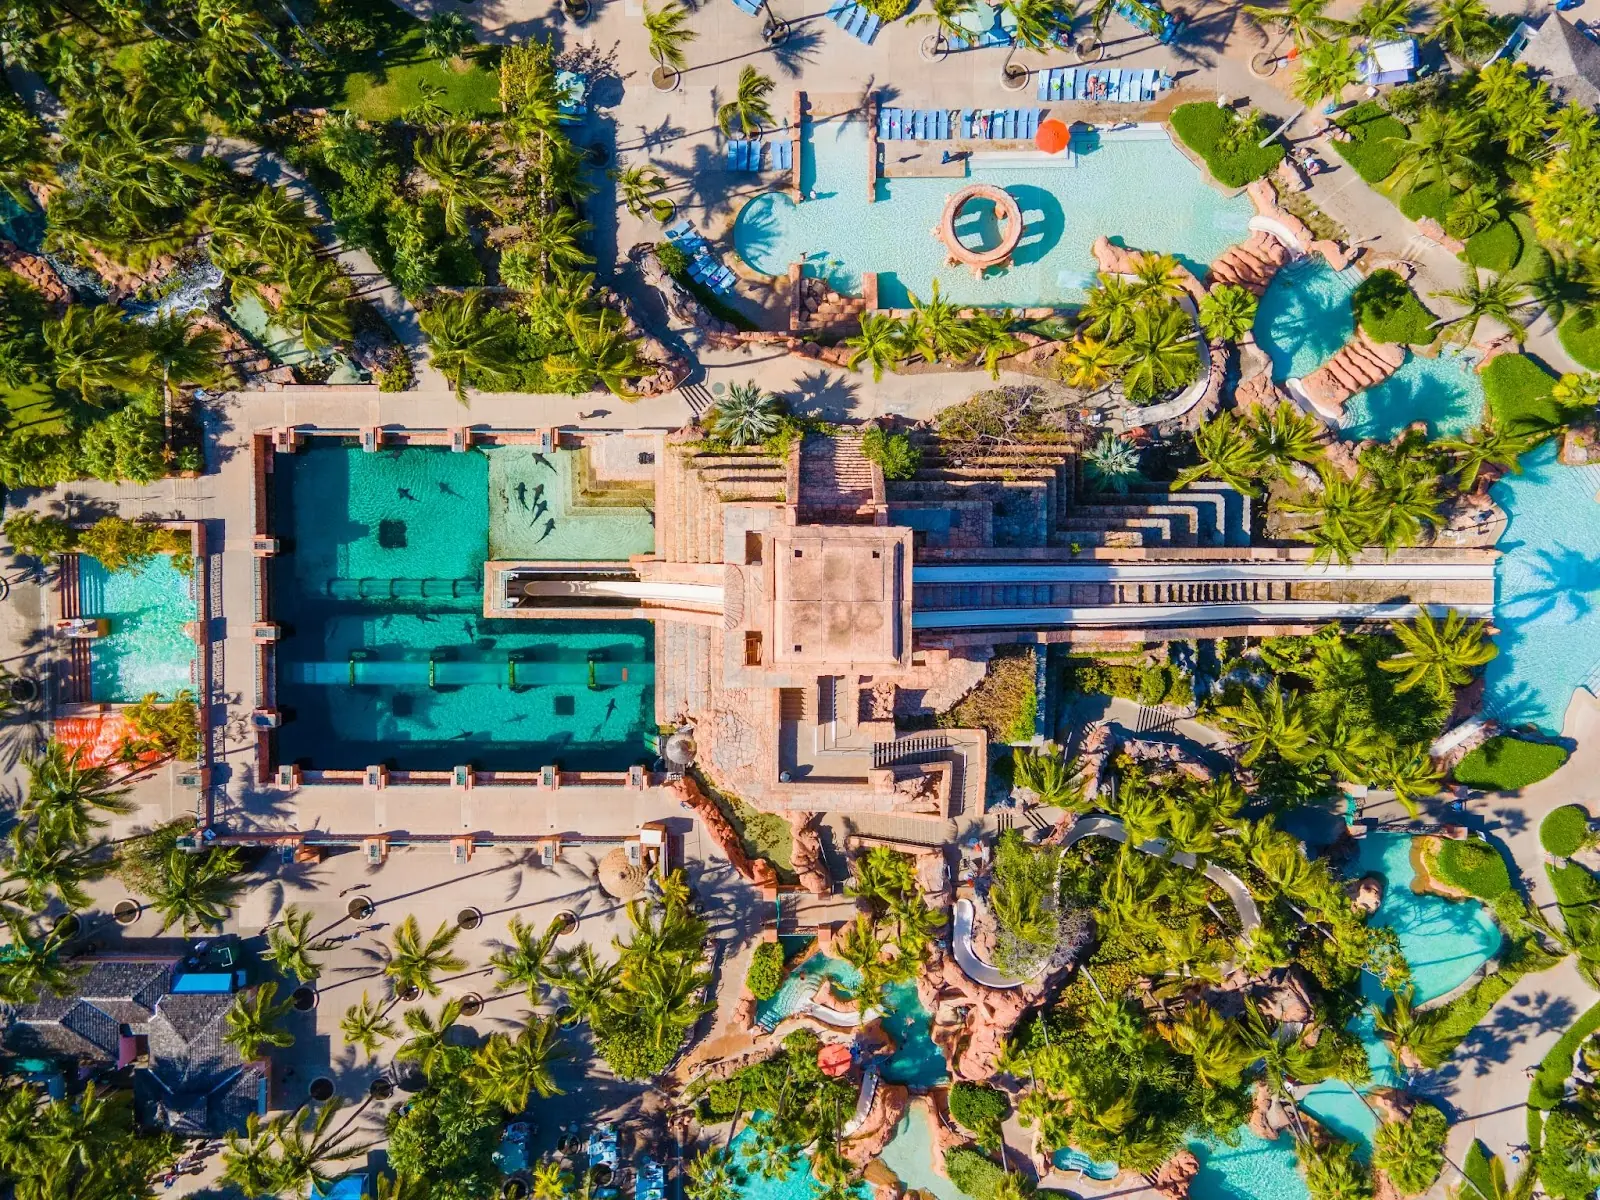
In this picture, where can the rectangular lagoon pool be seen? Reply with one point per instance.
(386, 656)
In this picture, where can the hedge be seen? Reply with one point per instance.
(1517, 391)
(1550, 1080)
(765, 974)
(1203, 126)
(1370, 149)
(1563, 829)
(1496, 248)
(1580, 337)
(1562, 1133)
(1534, 260)
(1148, 683)
(1385, 306)
(1475, 1166)
(973, 1173)
(1006, 700)
(1473, 865)
(977, 1106)
(1507, 764)
(1431, 200)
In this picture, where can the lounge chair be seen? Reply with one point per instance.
(1152, 83)
(837, 10)
(966, 124)
(677, 229)
(870, 31)
(922, 126)
(858, 20)
(785, 151)
(944, 124)
(1114, 84)
(883, 124)
(733, 156)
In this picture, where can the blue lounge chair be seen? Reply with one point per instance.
(1044, 84)
(786, 154)
(871, 31)
(922, 126)
(1114, 85)
(1152, 83)
(883, 124)
(1130, 86)
(1019, 123)
(889, 125)
(966, 124)
(677, 229)
(733, 156)
(944, 124)
(837, 10)
(1079, 83)
(858, 20)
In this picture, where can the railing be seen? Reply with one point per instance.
(909, 749)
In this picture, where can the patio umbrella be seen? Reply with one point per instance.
(1053, 136)
(619, 878)
(835, 1060)
(979, 18)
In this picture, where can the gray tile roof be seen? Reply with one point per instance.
(86, 1026)
(1567, 59)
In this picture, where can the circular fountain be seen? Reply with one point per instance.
(992, 214)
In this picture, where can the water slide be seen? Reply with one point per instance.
(1153, 615)
(967, 958)
(676, 595)
(1219, 572)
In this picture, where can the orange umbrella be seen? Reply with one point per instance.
(1053, 136)
(834, 1060)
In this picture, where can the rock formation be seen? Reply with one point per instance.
(946, 1136)
(684, 310)
(1266, 201)
(1251, 264)
(718, 828)
(806, 854)
(973, 1039)
(1359, 364)
(1367, 894)
(1172, 1178)
(35, 272)
(1118, 260)
(889, 1105)
(1434, 232)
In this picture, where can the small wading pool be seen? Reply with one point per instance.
(386, 655)
(149, 647)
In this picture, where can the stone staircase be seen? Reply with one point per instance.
(1068, 595)
(695, 485)
(684, 657)
(835, 481)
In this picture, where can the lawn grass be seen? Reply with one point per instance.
(1385, 306)
(1506, 764)
(1496, 248)
(1563, 829)
(1473, 865)
(1431, 200)
(1371, 150)
(379, 84)
(1549, 1083)
(1534, 260)
(1580, 337)
(1203, 126)
(762, 834)
(1518, 392)
(1475, 1166)
(31, 407)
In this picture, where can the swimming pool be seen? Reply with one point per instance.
(386, 656)
(536, 511)
(1305, 317)
(148, 649)
(1547, 585)
(1132, 185)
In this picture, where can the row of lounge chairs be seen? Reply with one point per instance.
(854, 20)
(1109, 85)
(949, 124)
(746, 154)
(704, 268)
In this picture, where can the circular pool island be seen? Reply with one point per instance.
(989, 211)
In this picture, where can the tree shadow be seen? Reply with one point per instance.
(823, 393)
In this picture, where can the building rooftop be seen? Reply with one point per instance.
(1566, 58)
(839, 595)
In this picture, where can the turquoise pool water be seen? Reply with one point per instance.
(382, 577)
(535, 512)
(1445, 941)
(917, 1061)
(1547, 586)
(1068, 1159)
(910, 1157)
(1133, 186)
(1305, 317)
(801, 1183)
(148, 649)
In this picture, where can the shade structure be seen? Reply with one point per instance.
(1053, 136)
(619, 878)
(835, 1060)
(979, 18)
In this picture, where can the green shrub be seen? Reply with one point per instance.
(1564, 1132)
(1372, 149)
(1207, 129)
(973, 1173)
(766, 971)
(673, 260)
(1411, 1153)
(1550, 1081)
(1474, 866)
(1149, 683)
(1518, 392)
(1505, 764)
(1563, 830)
(894, 453)
(1005, 702)
(888, 10)
(1431, 200)
(977, 1106)
(1572, 883)
(1580, 337)
(40, 536)
(1475, 1166)
(1386, 307)
(1534, 260)
(1496, 248)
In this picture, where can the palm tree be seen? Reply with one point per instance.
(181, 353)
(445, 34)
(1305, 21)
(669, 33)
(551, 1181)
(1344, 511)
(1035, 26)
(1228, 312)
(603, 351)
(248, 1161)
(749, 105)
(1285, 435)
(1157, 278)
(746, 416)
(1441, 654)
(1112, 463)
(591, 986)
(314, 302)
(936, 330)
(40, 864)
(91, 349)
(1473, 211)
(1268, 720)
(1462, 27)
(1415, 1038)
(528, 962)
(24, 156)
(413, 963)
(507, 1070)
(32, 964)
(290, 945)
(989, 336)
(252, 1022)
(305, 1147)
(367, 1025)
(463, 162)
(1056, 780)
(1108, 308)
(1499, 1187)
(662, 993)
(1228, 453)
(429, 1038)
(429, 111)
(557, 237)
(196, 891)
(712, 1176)
(1087, 363)
(470, 339)
(1441, 146)
(1486, 445)
(1213, 1043)
(945, 16)
(881, 343)
(1408, 772)
(64, 792)
(1327, 69)
(1159, 353)
(1383, 20)
(641, 188)
(1496, 297)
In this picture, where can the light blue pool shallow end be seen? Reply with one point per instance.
(1254, 1169)
(149, 648)
(1305, 317)
(1138, 189)
(1547, 586)
(910, 1156)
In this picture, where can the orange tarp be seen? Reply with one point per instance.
(99, 738)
